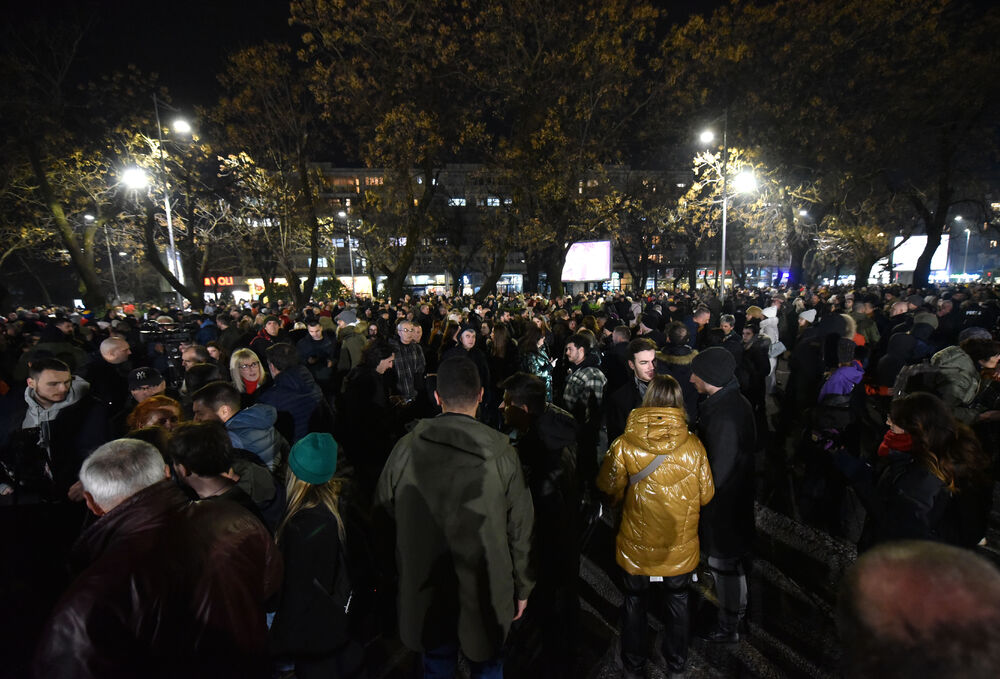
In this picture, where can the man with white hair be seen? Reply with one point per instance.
(166, 587)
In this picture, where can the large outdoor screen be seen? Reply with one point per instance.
(904, 258)
(588, 261)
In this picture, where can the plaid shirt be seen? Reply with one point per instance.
(584, 389)
(410, 368)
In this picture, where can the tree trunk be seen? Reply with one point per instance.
(862, 269)
(692, 257)
(532, 270)
(796, 267)
(93, 295)
(151, 252)
(554, 262)
(497, 262)
(313, 221)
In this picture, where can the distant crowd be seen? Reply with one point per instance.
(263, 490)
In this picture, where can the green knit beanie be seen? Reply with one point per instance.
(313, 458)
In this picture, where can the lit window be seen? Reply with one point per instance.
(492, 201)
(993, 243)
(338, 242)
(373, 181)
(508, 201)
(456, 202)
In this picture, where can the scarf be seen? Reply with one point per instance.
(901, 442)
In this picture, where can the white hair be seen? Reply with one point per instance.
(119, 469)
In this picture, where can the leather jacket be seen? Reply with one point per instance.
(165, 588)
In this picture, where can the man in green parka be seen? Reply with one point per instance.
(453, 494)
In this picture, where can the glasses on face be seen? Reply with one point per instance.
(247, 366)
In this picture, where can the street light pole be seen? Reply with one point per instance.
(350, 247)
(173, 264)
(111, 261)
(725, 206)
(965, 265)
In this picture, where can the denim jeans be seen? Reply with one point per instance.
(440, 663)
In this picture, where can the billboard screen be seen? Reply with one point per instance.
(904, 258)
(588, 261)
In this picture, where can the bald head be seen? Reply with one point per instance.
(115, 350)
(921, 609)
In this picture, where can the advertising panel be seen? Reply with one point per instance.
(588, 261)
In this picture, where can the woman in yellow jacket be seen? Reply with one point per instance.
(662, 471)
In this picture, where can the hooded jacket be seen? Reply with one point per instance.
(252, 429)
(42, 449)
(453, 493)
(962, 381)
(352, 344)
(659, 528)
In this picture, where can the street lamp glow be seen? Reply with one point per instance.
(182, 126)
(744, 182)
(706, 137)
(341, 214)
(134, 178)
(88, 218)
(803, 213)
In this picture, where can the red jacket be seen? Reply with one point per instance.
(166, 588)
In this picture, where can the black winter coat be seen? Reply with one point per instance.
(309, 621)
(295, 392)
(726, 427)
(622, 402)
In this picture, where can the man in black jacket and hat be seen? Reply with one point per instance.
(726, 528)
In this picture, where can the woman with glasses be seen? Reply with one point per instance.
(248, 374)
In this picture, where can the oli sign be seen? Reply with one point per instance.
(213, 281)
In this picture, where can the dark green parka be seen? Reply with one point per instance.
(455, 495)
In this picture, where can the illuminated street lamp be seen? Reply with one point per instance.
(134, 178)
(744, 182)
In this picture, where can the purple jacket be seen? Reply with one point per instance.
(842, 381)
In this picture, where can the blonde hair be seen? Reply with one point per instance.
(303, 495)
(663, 392)
(234, 368)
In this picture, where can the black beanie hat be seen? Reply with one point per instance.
(715, 365)
(845, 350)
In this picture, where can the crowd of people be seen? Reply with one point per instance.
(257, 490)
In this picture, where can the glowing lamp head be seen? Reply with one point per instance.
(182, 126)
(706, 137)
(134, 178)
(744, 182)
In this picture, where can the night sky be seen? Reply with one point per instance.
(186, 41)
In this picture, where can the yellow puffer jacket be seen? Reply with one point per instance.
(659, 530)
